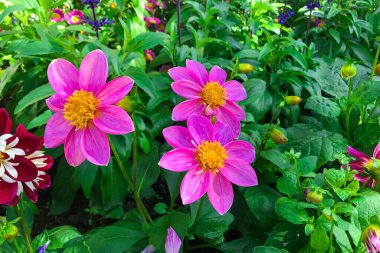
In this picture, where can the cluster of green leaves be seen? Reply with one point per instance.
(287, 60)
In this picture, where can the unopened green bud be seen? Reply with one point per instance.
(126, 103)
(348, 71)
(292, 100)
(10, 232)
(377, 69)
(245, 68)
(313, 196)
(277, 136)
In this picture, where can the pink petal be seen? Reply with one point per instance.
(235, 91)
(115, 90)
(180, 73)
(186, 89)
(179, 160)
(223, 133)
(178, 137)
(56, 131)
(240, 150)
(217, 75)
(356, 165)
(200, 128)
(95, 146)
(113, 120)
(235, 109)
(73, 147)
(194, 185)
(239, 172)
(197, 71)
(185, 109)
(93, 71)
(220, 193)
(172, 242)
(227, 117)
(376, 152)
(56, 103)
(357, 154)
(63, 77)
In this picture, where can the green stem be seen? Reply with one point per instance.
(140, 206)
(370, 78)
(19, 210)
(348, 110)
(375, 63)
(16, 245)
(331, 237)
(298, 178)
(176, 188)
(266, 136)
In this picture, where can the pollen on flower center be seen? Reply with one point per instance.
(213, 95)
(55, 16)
(80, 108)
(75, 19)
(211, 156)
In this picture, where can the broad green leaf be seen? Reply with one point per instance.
(141, 80)
(276, 157)
(319, 239)
(287, 235)
(244, 244)
(147, 40)
(307, 165)
(259, 100)
(323, 106)
(261, 202)
(287, 184)
(335, 178)
(147, 169)
(288, 209)
(342, 240)
(59, 236)
(263, 249)
(368, 206)
(8, 74)
(40, 120)
(366, 93)
(116, 238)
(42, 92)
(87, 174)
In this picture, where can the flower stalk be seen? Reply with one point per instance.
(19, 210)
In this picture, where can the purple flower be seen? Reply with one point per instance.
(151, 21)
(91, 3)
(172, 242)
(43, 247)
(149, 55)
(311, 5)
(96, 24)
(283, 17)
(151, 5)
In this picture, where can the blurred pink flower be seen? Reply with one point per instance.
(172, 242)
(160, 27)
(57, 15)
(208, 94)
(149, 55)
(371, 238)
(74, 17)
(151, 21)
(364, 164)
(213, 160)
(84, 106)
(151, 5)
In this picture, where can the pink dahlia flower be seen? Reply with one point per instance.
(23, 166)
(151, 5)
(74, 17)
(213, 160)
(364, 165)
(149, 55)
(371, 238)
(84, 106)
(57, 15)
(151, 21)
(172, 242)
(208, 94)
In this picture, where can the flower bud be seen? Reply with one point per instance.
(10, 232)
(113, 5)
(377, 69)
(126, 103)
(371, 238)
(245, 68)
(313, 196)
(292, 100)
(327, 214)
(348, 71)
(277, 136)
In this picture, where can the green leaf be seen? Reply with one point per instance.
(8, 74)
(342, 240)
(42, 92)
(287, 184)
(87, 174)
(244, 244)
(40, 120)
(368, 206)
(59, 236)
(141, 80)
(312, 142)
(287, 235)
(276, 157)
(210, 225)
(147, 169)
(259, 100)
(263, 249)
(116, 238)
(307, 165)
(288, 209)
(261, 202)
(335, 178)
(366, 93)
(147, 40)
(319, 240)
(323, 106)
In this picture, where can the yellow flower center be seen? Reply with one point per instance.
(213, 95)
(75, 19)
(369, 165)
(211, 156)
(56, 16)
(80, 108)
(1, 156)
(150, 5)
